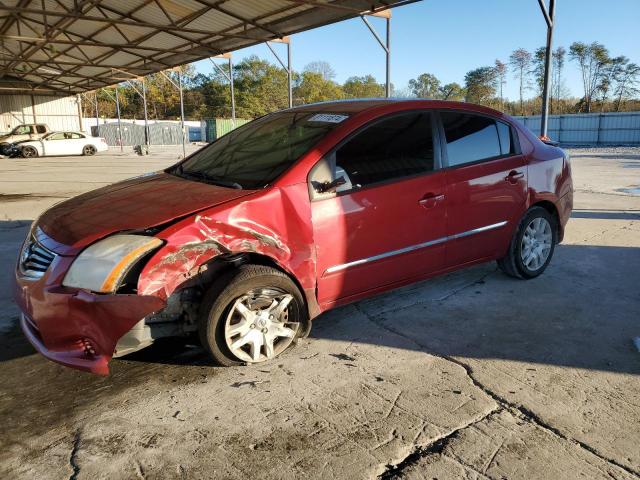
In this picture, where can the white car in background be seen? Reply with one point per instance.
(62, 143)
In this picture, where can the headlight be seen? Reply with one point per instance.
(102, 266)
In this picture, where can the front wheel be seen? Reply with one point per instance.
(532, 245)
(251, 315)
(29, 152)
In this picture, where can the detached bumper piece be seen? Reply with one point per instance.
(82, 356)
(76, 328)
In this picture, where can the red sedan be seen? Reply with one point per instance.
(249, 239)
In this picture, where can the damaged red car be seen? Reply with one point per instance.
(249, 239)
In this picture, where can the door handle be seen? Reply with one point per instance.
(514, 176)
(430, 200)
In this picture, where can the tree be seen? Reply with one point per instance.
(538, 68)
(627, 80)
(501, 79)
(313, 87)
(610, 72)
(520, 61)
(261, 87)
(480, 85)
(363, 87)
(558, 65)
(425, 86)
(215, 96)
(451, 91)
(592, 59)
(321, 67)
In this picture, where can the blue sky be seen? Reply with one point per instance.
(449, 38)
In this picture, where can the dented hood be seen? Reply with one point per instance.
(134, 204)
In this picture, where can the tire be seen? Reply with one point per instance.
(526, 262)
(250, 288)
(29, 152)
(89, 150)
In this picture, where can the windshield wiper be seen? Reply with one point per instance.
(208, 178)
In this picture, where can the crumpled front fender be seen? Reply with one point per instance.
(276, 224)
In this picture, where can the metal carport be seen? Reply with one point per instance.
(72, 46)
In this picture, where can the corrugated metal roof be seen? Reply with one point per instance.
(73, 45)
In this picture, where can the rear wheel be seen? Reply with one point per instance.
(89, 150)
(29, 152)
(253, 314)
(532, 246)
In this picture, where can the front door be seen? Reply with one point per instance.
(385, 222)
(55, 144)
(486, 185)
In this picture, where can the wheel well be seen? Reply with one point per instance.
(553, 211)
(227, 262)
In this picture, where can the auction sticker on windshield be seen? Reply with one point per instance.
(328, 118)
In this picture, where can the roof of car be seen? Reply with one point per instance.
(356, 105)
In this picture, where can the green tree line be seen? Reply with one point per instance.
(608, 84)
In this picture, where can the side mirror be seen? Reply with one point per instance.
(327, 187)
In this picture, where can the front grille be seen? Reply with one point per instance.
(35, 259)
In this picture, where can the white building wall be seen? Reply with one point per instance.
(59, 113)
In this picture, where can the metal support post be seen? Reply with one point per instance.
(184, 149)
(143, 94)
(549, 17)
(117, 100)
(287, 67)
(229, 77)
(179, 87)
(119, 123)
(386, 45)
(97, 117)
(146, 115)
(233, 96)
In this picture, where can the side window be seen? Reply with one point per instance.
(41, 129)
(56, 136)
(395, 147)
(470, 138)
(76, 136)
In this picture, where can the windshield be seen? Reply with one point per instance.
(21, 130)
(257, 153)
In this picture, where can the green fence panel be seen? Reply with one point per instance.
(217, 127)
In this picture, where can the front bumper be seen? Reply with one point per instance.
(74, 327)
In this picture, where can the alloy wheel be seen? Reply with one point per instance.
(536, 244)
(89, 150)
(29, 152)
(257, 327)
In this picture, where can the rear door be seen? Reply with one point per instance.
(77, 142)
(386, 222)
(486, 185)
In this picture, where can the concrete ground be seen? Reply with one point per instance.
(472, 375)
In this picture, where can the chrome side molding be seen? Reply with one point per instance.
(437, 241)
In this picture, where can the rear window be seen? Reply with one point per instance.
(471, 138)
(41, 129)
(257, 153)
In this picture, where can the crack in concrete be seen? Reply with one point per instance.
(435, 447)
(519, 411)
(73, 457)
